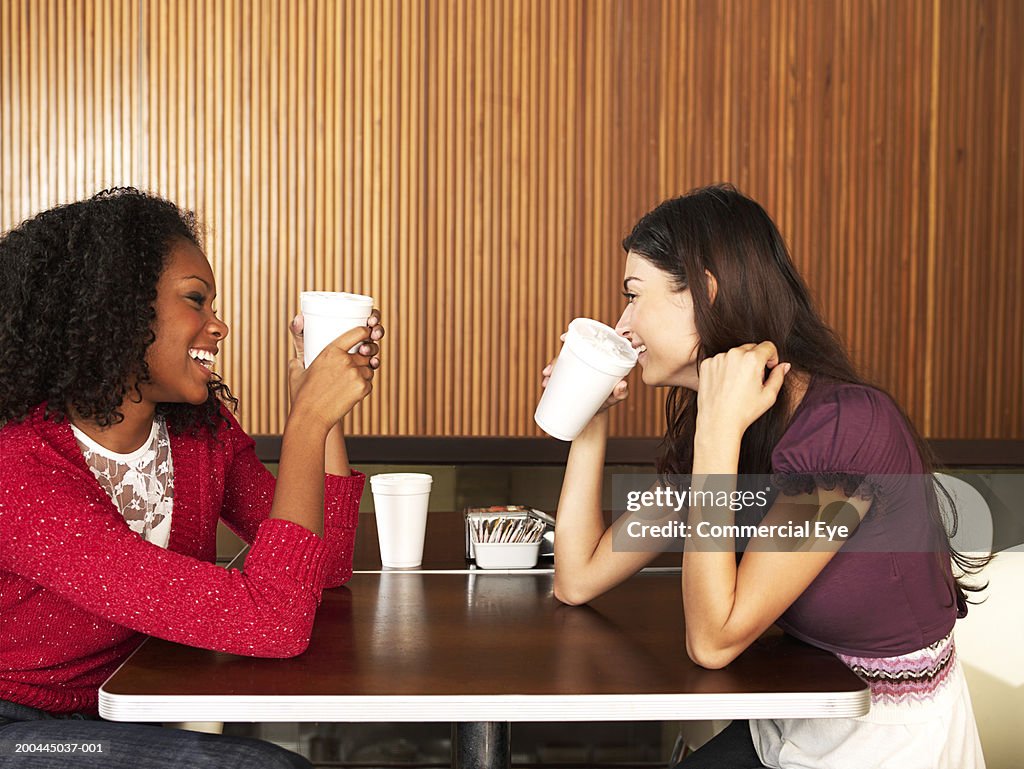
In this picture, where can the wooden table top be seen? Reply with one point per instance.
(481, 646)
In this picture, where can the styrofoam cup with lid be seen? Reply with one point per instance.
(400, 502)
(327, 315)
(593, 359)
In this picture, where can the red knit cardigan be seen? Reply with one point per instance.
(78, 588)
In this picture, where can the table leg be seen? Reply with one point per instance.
(481, 745)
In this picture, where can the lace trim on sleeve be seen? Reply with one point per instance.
(857, 485)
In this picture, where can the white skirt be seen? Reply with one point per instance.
(920, 718)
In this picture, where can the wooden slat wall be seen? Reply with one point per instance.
(69, 108)
(474, 165)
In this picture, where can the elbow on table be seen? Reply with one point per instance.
(284, 635)
(708, 654)
(284, 647)
(569, 593)
(298, 647)
(338, 578)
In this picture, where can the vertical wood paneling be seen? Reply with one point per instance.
(68, 112)
(977, 188)
(474, 165)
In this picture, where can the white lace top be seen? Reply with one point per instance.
(141, 484)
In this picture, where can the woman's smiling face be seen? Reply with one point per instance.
(659, 321)
(187, 329)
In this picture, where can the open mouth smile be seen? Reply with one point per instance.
(202, 358)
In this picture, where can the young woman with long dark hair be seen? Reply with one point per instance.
(119, 454)
(761, 385)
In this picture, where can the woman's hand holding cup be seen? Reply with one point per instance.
(370, 349)
(336, 380)
(618, 394)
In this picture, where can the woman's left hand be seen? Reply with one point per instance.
(369, 349)
(733, 391)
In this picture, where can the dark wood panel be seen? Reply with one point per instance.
(624, 451)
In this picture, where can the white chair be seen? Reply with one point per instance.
(990, 640)
(974, 521)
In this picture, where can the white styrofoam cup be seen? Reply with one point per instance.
(327, 315)
(400, 502)
(593, 359)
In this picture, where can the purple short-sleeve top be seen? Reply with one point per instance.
(883, 593)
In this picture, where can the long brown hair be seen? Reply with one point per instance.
(760, 296)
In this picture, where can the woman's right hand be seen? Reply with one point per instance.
(336, 381)
(619, 393)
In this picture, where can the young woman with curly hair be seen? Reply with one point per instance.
(118, 455)
(761, 385)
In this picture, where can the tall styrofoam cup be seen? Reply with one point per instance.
(327, 315)
(593, 359)
(400, 503)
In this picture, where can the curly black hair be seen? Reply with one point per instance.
(77, 287)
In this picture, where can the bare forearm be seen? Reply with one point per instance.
(579, 524)
(586, 561)
(299, 492)
(336, 462)
(709, 569)
(335, 451)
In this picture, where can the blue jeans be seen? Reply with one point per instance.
(127, 746)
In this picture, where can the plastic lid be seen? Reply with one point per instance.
(335, 303)
(401, 483)
(601, 346)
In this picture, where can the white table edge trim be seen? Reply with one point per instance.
(478, 708)
(477, 570)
